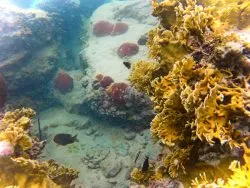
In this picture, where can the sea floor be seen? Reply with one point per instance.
(105, 152)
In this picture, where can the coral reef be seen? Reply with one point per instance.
(22, 31)
(118, 100)
(199, 84)
(28, 51)
(127, 49)
(3, 91)
(102, 28)
(18, 148)
(63, 82)
(119, 28)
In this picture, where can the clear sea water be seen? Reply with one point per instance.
(41, 39)
(70, 60)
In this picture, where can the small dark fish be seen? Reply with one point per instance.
(64, 139)
(143, 39)
(127, 64)
(145, 165)
(137, 156)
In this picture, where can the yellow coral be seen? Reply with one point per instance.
(176, 160)
(141, 177)
(17, 118)
(143, 75)
(32, 174)
(200, 89)
(14, 128)
(21, 171)
(231, 13)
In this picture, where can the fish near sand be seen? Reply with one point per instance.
(145, 165)
(127, 64)
(64, 139)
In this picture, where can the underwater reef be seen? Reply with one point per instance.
(19, 151)
(198, 80)
(109, 99)
(28, 54)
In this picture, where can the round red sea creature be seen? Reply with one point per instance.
(63, 82)
(117, 92)
(119, 28)
(3, 91)
(102, 28)
(127, 49)
(106, 81)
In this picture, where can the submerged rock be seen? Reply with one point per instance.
(130, 135)
(111, 168)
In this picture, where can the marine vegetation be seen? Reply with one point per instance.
(18, 151)
(199, 83)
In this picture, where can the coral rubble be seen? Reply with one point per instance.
(199, 83)
(18, 151)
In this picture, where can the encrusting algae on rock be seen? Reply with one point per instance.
(199, 84)
(18, 151)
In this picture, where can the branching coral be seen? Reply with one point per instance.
(200, 88)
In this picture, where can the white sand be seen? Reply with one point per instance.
(111, 137)
(101, 52)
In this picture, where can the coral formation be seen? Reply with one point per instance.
(102, 28)
(119, 28)
(18, 148)
(63, 82)
(3, 91)
(118, 100)
(127, 49)
(117, 92)
(199, 84)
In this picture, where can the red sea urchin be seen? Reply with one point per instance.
(117, 92)
(127, 49)
(3, 91)
(63, 82)
(102, 28)
(106, 81)
(119, 28)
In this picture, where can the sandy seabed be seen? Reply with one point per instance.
(105, 151)
(101, 52)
